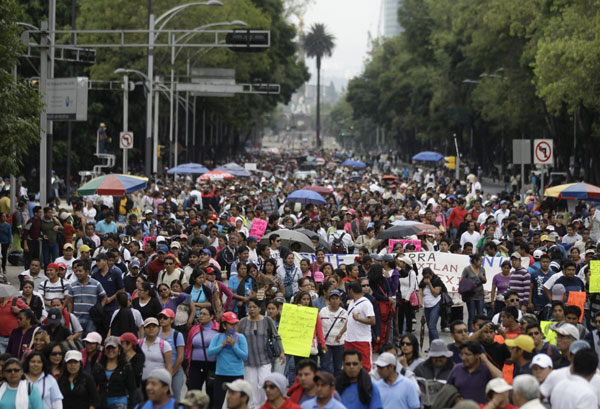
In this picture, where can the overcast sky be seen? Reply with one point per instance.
(350, 22)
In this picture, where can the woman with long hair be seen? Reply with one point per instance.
(114, 377)
(430, 297)
(385, 300)
(131, 351)
(177, 341)
(258, 330)
(408, 284)
(241, 287)
(16, 391)
(201, 294)
(35, 302)
(231, 350)
(76, 385)
(158, 353)
(289, 274)
(271, 272)
(36, 370)
(21, 337)
(169, 298)
(409, 348)
(185, 312)
(124, 319)
(476, 273)
(55, 355)
(202, 366)
(334, 319)
(146, 303)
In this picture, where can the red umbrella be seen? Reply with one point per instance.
(389, 177)
(217, 175)
(322, 190)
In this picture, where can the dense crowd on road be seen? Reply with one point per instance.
(129, 300)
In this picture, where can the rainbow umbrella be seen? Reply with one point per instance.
(575, 191)
(113, 185)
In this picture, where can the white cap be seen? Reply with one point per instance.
(537, 254)
(73, 356)
(542, 360)
(497, 385)
(385, 359)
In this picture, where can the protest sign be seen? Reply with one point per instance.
(258, 228)
(577, 298)
(296, 328)
(404, 242)
(594, 276)
(549, 334)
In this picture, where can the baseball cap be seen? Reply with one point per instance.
(150, 321)
(406, 260)
(319, 277)
(568, 330)
(207, 252)
(516, 254)
(148, 211)
(252, 239)
(385, 359)
(524, 342)
(335, 293)
(53, 266)
(134, 262)
(195, 397)
(239, 385)
(84, 248)
(228, 317)
(325, 377)
(129, 337)
(163, 248)
(176, 245)
(73, 356)
(54, 316)
(542, 360)
(578, 346)
(551, 238)
(112, 342)
(558, 290)
(93, 338)
(537, 254)
(167, 312)
(67, 246)
(497, 385)
(162, 375)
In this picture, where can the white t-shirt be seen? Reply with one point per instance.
(575, 392)
(548, 388)
(357, 331)
(154, 356)
(466, 237)
(90, 215)
(68, 263)
(328, 318)
(59, 289)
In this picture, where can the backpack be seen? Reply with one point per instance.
(161, 343)
(62, 284)
(337, 247)
(181, 274)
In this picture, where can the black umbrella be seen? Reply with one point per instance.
(398, 232)
(311, 234)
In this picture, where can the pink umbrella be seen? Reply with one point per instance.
(216, 175)
(319, 189)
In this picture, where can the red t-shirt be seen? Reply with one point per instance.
(457, 216)
(288, 404)
(508, 406)
(8, 320)
(154, 268)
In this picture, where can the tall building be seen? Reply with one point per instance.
(389, 18)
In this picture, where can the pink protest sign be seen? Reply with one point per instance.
(258, 228)
(404, 242)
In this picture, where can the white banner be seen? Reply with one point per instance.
(446, 265)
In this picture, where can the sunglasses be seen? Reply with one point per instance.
(406, 344)
(365, 285)
(513, 300)
(56, 354)
(12, 370)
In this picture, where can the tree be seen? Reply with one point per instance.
(20, 105)
(318, 43)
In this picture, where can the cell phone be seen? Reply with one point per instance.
(495, 327)
(232, 332)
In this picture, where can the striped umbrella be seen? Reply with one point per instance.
(113, 185)
(575, 191)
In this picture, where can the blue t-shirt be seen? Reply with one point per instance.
(538, 279)
(10, 396)
(104, 228)
(198, 297)
(149, 405)
(351, 400)
(180, 343)
(571, 284)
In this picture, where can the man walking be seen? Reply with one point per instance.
(358, 327)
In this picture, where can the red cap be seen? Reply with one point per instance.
(129, 337)
(183, 236)
(167, 312)
(230, 317)
(53, 266)
(214, 216)
(61, 265)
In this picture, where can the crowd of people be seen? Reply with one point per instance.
(130, 300)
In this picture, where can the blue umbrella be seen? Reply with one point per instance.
(428, 156)
(188, 169)
(306, 197)
(351, 163)
(234, 169)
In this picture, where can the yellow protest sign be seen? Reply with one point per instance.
(594, 276)
(549, 334)
(296, 328)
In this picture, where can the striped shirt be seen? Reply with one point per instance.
(85, 296)
(59, 289)
(520, 281)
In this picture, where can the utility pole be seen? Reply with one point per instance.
(125, 118)
(457, 159)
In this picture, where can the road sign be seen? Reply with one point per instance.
(67, 99)
(543, 152)
(521, 152)
(126, 140)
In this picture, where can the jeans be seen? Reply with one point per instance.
(432, 315)
(332, 360)
(474, 307)
(177, 384)
(87, 325)
(50, 252)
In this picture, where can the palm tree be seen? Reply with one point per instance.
(318, 43)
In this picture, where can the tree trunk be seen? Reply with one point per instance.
(318, 140)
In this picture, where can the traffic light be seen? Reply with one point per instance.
(253, 40)
(450, 162)
(158, 151)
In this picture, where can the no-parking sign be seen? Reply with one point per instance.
(126, 140)
(543, 152)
